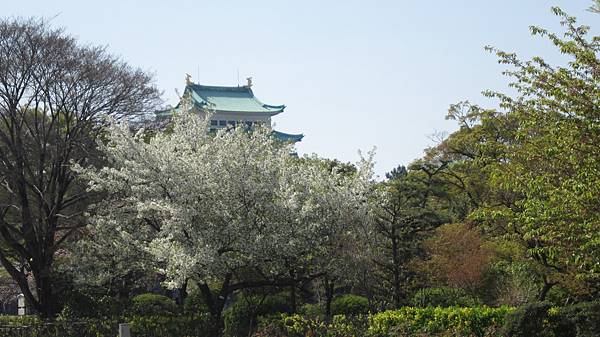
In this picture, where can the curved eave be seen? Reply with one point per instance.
(287, 137)
(270, 113)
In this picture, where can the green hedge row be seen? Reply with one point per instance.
(141, 326)
(532, 320)
(408, 321)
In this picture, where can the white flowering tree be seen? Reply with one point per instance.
(230, 211)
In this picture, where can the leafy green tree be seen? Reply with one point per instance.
(529, 169)
(552, 165)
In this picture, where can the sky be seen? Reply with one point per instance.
(354, 75)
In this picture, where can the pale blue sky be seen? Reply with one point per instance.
(353, 74)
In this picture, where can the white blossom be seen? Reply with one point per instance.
(202, 205)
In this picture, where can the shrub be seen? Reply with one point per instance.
(528, 321)
(194, 304)
(349, 305)
(197, 325)
(153, 305)
(579, 320)
(31, 326)
(242, 316)
(78, 305)
(443, 297)
(28, 320)
(300, 326)
(311, 310)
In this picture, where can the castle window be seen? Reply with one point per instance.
(222, 123)
(214, 123)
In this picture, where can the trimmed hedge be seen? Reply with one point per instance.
(444, 297)
(350, 305)
(170, 326)
(153, 305)
(151, 326)
(537, 319)
(475, 321)
(302, 326)
(31, 326)
(407, 321)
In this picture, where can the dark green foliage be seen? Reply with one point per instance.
(350, 305)
(32, 326)
(542, 320)
(197, 325)
(312, 310)
(444, 297)
(194, 304)
(153, 305)
(243, 315)
(79, 305)
(397, 173)
(579, 320)
(19, 320)
(528, 321)
(142, 326)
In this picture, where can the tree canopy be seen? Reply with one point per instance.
(54, 95)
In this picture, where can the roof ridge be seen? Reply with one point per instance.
(221, 88)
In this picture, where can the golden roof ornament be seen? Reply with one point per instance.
(188, 79)
(249, 82)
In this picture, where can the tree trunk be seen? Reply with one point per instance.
(182, 295)
(216, 303)
(545, 289)
(329, 287)
(46, 302)
(293, 303)
(396, 272)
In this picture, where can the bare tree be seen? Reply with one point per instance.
(55, 95)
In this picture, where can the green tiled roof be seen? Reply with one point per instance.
(234, 99)
(286, 137)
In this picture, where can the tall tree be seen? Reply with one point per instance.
(402, 216)
(54, 95)
(552, 164)
(530, 167)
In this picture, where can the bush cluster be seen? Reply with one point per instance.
(543, 320)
